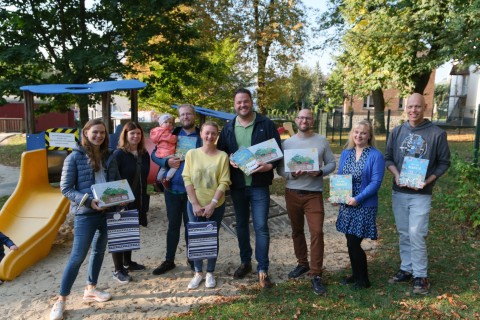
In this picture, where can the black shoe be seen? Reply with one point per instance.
(401, 276)
(242, 271)
(421, 286)
(361, 285)
(122, 276)
(348, 280)
(318, 287)
(157, 186)
(298, 271)
(191, 265)
(133, 266)
(164, 267)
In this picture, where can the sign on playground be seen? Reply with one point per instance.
(61, 138)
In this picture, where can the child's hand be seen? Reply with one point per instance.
(14, 248)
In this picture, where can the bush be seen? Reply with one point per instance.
(464, 198)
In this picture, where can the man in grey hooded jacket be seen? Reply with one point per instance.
(419, 138)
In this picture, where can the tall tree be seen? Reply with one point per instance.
(392, 43)
(464, 38)
(271, 34)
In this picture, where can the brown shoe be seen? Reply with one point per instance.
(264, 280)
(242, 271)
(166, 184)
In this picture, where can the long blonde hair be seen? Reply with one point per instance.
(365, 123)
(87, 146)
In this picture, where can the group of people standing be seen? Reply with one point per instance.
(196, 192)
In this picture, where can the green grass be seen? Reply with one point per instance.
(11, 150)
(3, 199)
(454, 272)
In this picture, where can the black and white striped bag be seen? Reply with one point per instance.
(123, 231)
(202, 240)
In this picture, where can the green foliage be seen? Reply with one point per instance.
(465, 31)
(396, 44)
(210, 86)
(47, 41)
(463, 198)
(441, 99)
(303, 87)
(334, 89)
(271, 34)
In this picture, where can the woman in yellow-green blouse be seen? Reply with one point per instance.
(207, 176)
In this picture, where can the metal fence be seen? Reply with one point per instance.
(337, 125)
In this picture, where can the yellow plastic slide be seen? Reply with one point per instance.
(31, 216)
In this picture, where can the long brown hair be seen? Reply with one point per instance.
(87, 146)
(123, 141)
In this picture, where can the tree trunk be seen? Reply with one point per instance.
(261, 87)
(421, 81)
(379, 108)
(83, 106)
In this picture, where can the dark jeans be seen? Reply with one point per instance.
(257, 201)
(176, 211)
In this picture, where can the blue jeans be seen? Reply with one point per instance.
(217, 216)
(89, 229)
(176, 211)
(257, 201)
(411, 216)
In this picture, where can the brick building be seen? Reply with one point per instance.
(393, 101)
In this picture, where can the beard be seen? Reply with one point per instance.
(188, 126)
(304, 129)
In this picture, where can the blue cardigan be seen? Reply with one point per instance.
(372, 176)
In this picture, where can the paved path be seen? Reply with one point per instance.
(8, 179)
(8, 175)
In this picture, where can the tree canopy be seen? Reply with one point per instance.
(270, 33)
(47, 41)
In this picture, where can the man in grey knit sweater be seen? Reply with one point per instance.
(304, 199)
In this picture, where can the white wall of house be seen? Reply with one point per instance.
(473, 94)
(464, 93)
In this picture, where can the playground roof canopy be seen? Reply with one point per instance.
(89, 88)
(212, 113)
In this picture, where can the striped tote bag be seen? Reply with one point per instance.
(123, 231)
(202, 240)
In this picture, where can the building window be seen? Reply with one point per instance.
(368, 102)
(400, 103)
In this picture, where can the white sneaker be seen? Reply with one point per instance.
(57, 311)
(210, 280)
(96, 295)
(195, 282)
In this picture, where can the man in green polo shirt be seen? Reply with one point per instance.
(250, 194)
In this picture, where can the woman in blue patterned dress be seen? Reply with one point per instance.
(356, 218)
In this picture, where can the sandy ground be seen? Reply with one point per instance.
(31, 295)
